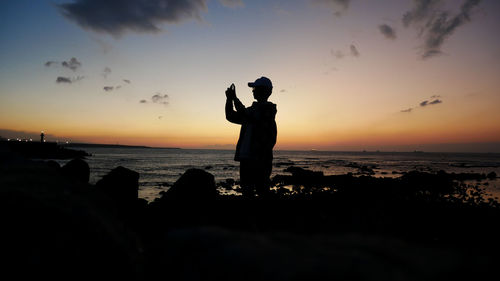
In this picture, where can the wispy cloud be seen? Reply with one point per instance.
(68, 80)
(338, 54)
(160, 99)
(354, 50)
(105, 46)
(436, 101)
(339, 6)
(50, 63)
(421, 11)
(61, 79)
(106, 72)
(157, 98)
(117, 87)
(435, 25)
(116, 17)
(387, 31)
(330, 70)
(426, 103)
(72, 64)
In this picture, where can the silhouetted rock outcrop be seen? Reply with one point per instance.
(193, 185)
(76, 169)
(56, 228)
(121, 184)
(303, 175)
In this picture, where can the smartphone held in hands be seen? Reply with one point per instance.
(231, 92)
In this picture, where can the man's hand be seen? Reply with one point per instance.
(231, 92)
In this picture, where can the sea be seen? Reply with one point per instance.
(159, 168)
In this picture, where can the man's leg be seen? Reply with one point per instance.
(247, 178)
(264, 169)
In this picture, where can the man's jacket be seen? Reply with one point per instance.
(258, 129)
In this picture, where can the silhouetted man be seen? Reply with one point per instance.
(257, 138)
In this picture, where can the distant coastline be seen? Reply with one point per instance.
(113, 146)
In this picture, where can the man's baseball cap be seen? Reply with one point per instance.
(261, 82)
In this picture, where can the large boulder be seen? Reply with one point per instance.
(77, 170)
(121, 184)
(194, 184)
(59, 229)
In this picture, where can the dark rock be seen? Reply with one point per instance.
(208, 167)
(227, 184)
(366, 170)
(77, 169)
(121, 184)
(54, 228)
(53, 164)
(194, 184)
(491, 175)
(305, 176)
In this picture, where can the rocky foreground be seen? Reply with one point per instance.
(419, 226)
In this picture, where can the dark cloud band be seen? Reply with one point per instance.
(116, 17)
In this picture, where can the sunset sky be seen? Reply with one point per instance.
(348, 74)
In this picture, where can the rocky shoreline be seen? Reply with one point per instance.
(42, 150)
(420, 226)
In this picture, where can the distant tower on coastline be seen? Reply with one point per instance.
(42, 135)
